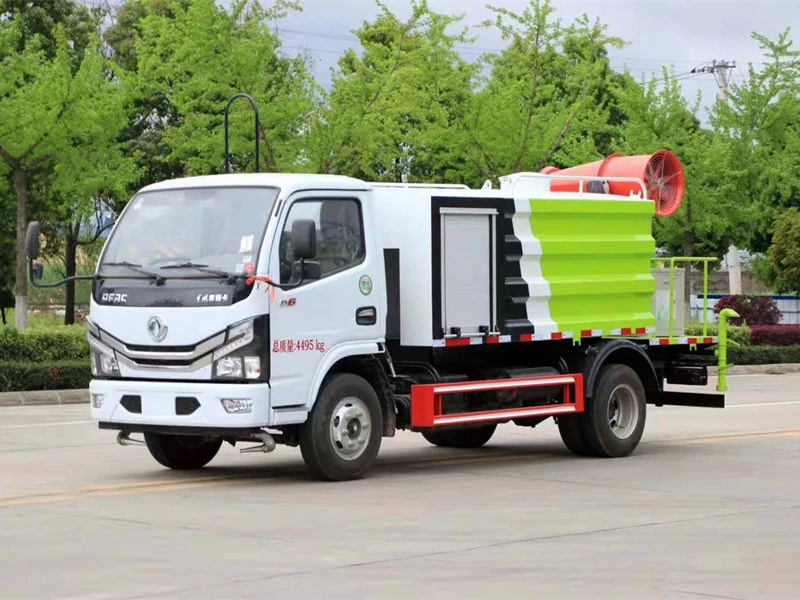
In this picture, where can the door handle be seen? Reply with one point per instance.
(366, 315)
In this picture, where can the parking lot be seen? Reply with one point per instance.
(708, 507)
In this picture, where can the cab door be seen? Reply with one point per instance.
(340, 314)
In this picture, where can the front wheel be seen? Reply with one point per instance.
(342, 436)
(182, 451)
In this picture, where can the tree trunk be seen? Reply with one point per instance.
(71, 264)
(3, 310)
(21, 283)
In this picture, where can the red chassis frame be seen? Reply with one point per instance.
(426, 400)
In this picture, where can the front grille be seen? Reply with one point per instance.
(132, 404)
(159, 349)
(186, 405)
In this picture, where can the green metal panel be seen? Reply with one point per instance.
(596, 256)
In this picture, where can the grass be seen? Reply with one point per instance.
(41, 320)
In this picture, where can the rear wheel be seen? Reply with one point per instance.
(182, 451)
(342, 436)
(614, 418)
(572, 434)
(463, 437)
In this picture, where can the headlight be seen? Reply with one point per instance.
(103, 359)
(229, 366)
(241, 335)
(240, 356)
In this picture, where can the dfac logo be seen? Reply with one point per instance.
(157, 328)
(114, 298)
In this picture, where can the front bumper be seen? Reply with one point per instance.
(178, 404)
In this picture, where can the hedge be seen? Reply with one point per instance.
(58, 375)
(775, 335)
(741, 335)
(763, 355)
(44, 345)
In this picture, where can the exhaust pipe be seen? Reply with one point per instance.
(124, 439)
(267, 444)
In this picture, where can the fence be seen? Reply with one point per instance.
(788, 305)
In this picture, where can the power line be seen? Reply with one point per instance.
(472, 47)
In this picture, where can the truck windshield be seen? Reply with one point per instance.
(218, 228)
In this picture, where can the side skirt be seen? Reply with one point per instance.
(427, 406)
(662, 398)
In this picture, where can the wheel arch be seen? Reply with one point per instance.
(370, 366)
(621, 352)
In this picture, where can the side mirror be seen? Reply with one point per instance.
(32, 245)
(304, 239)
(37, 271)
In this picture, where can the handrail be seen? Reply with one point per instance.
(686, 259)
(254, 106)
(445, 186)
(579, 178)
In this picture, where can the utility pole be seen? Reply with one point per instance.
(721, 69)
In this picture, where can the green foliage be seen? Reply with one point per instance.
(58, 375)
(784, 253)
(43, 19)
(547, 99)
(397, 111)
(43, 345)
(755, 160)
(764, 355)
(60, 110)
(740, 335)
(193, 58)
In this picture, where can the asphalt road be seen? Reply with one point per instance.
(708, 507)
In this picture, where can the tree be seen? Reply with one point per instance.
(54, 112)
(7, 202)
(192, 59)
(395, 113)
(547, 98)
(784, 252)
(756, 164)
(659, 116)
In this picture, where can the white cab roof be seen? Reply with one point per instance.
(285, 181)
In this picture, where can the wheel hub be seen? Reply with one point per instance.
(623, 411)
(350, 428)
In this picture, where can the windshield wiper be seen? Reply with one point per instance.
(134, 267)
(231, 277)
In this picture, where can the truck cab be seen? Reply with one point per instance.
(221, 303)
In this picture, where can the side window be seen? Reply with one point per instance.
(340, 240)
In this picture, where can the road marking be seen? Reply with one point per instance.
(753, 404)
(177, 487)
(96, 489)
(724, 437)
(56, 424)
(139, 488)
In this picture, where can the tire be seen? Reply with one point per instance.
(613, 422)
(463, 437)
(572, 434)
(342, 436)
(182, 452)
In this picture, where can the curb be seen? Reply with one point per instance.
(52, 397)
(44, 397)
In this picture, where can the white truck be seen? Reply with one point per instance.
(329, 312)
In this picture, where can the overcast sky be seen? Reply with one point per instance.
(681, 33)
